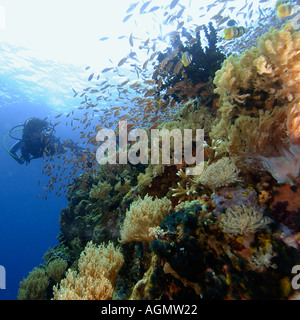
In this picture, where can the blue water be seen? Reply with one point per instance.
(33, 88)
(28, 225)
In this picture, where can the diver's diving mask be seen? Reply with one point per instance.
(48, 131)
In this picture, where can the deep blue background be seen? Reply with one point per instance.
(28, 225)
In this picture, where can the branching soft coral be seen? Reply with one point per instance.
(263, 135)
(259, 100)
(221, 173)
(98, 270)
(271, 68)
(293, 123)
(186, 189)
(143, 215)
(56, 269)
(101, 190)
(34, 286)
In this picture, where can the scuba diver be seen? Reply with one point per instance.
(38, 140)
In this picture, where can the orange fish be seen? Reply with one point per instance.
(205, 93)
(178, 67)
(155, 74)
(215, 102)
(116, 112)
(164, 62)
(159, 83)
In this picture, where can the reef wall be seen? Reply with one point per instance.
(153, 232)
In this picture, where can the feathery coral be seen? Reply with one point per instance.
(271, 67)
(56, 269)
(293, 123)
(259, 97)
(77, 287)
(242, 220)
(220, 174)
(101, 190)
(34, 286)
(261, 259)
(143, 215)
(98, 270)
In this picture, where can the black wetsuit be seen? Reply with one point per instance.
(34, 149)
(38, 140)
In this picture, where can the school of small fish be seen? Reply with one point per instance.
(136, 97)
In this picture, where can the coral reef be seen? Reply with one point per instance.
(199, 262)
(155, 232)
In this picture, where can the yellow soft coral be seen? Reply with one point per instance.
(272, 67)
(98, 270)
(144, 215)
(293, 123)
(259, 99)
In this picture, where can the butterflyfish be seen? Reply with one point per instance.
(233, 32)
(285, 10)
(186, 58)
